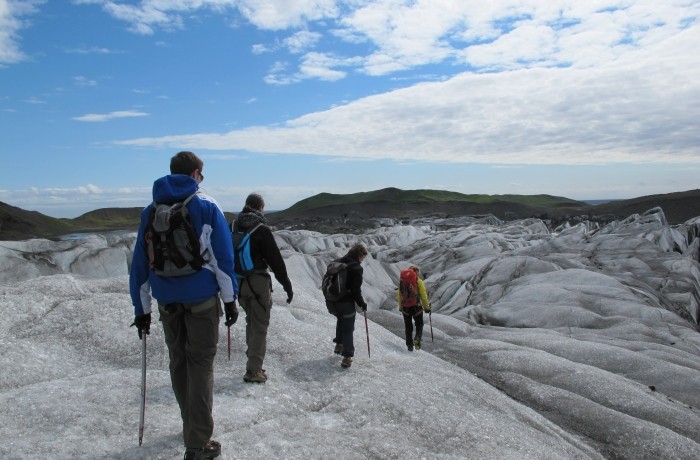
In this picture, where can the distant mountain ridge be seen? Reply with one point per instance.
(352, 212)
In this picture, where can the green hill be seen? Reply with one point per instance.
(18, 224)
(396, 203)
(108, 219)
(398, 196)
(354, 212)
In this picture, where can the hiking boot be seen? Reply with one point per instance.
(416, 344)
(255, 377)
(346, 362)
(338, 348)
(410, 347)
(211, 449)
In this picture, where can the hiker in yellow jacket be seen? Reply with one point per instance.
(412, 298)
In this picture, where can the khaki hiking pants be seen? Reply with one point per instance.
(192, 333)
(255, 297)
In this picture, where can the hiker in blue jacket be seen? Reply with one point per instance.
(344, 309)
(188, 305)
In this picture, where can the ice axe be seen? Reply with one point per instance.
(143, 387)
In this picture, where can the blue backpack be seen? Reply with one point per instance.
(243, 262)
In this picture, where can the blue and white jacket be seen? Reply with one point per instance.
(216, 276)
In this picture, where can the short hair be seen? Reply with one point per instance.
(185, 163)
(254, 202)
(357, 251)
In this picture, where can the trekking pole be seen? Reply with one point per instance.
(143, 386)
(367, 331)
(229, 343)
(430, 317)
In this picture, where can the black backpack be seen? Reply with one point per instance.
(334, 285)
(172, 243)
(243, 261)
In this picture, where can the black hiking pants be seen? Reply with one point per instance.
(409, 316)
(344, 325)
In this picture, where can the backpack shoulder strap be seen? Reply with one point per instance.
(254, 228)
(233, 227)
(188, 199)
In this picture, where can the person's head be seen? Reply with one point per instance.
(415, 269)
(359, 252)
(254, 202)
(189, 164)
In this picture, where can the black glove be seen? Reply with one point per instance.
(290, 294)
(361, 308)
(143, 324)
(231, 313)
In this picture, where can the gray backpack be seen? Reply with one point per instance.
(334, 284)
(171, 240)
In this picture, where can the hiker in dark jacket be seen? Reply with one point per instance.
(344, 309)
(256, 288)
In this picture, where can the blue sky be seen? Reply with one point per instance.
(290, 98)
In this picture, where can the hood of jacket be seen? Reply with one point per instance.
(250, 219)
(173, 188)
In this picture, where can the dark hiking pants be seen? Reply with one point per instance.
(191, 333)
(255, 297)
(409, 316)
(344, 326)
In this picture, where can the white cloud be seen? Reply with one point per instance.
(74, 201)
(404, 34)
(83, 49)
(84, 81)
(313, 65)
(285, 14)
(144, 17)
(278, 75)
(641, 107)
(318, 65)
(301, 41)
(99, 117)
(260, 48)
(12, 13)
(89, 189)
(220, 156)
(34, 101)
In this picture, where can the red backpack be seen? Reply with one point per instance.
(408, 286)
